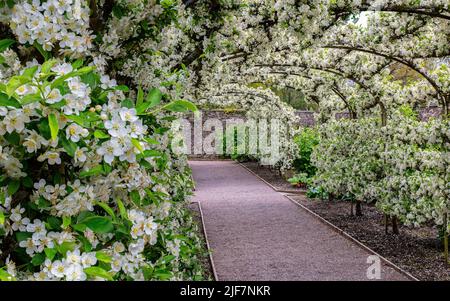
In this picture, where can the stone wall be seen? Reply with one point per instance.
(306, 117)
(427, 113)
(208, 120)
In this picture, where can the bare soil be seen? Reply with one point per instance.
(272, 176)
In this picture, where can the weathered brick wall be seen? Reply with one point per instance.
(306, 118)
(427, 113)
(207, 120)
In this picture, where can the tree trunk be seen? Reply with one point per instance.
(395, 225)
(445, 107)
(383, 114)
(331, 197)
(386, 223)
(358, 208)
(446, 238)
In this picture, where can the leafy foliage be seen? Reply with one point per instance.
(306, 141)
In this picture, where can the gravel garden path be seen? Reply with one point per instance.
(255, 233)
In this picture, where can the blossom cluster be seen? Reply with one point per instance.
(90, 184)
(402, 167)
(54, 23)
(261, 104)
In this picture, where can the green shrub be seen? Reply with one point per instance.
(306, 141)
(299, 180)
(317, 192)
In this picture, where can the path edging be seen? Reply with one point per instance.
(213, 267)
(291, 191)
(300, 192)
(335, 228)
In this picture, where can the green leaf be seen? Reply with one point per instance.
(127, 103)
(77, 64)
(148, 272)
(11, 3)
(108, 209)
(91, 79)
(54, 223)
(66, 246)
(60, 80)
(152, 153)
(124, 228)
(5, 276)
(79, 227)
(50, 253)
(99, 224)
(27, 182)
(29, 72)
(20, 236)
(79, 119)
(140, 97)
(101, 256)
(84, 215)
(151, 140)
(135, 197)
(137, 144)
(122, 88)
(98, 272)
(153, 99)
(91, 116)
(43, 204)
(2, 218)
(5, 44)
(38, 259)
(30, 98)
(14, 83)
(7, 101)
(44, 129)
(66, 222)
(163, 274)
(57, 178)
(181, 106)
(58, 105)
(13, 138)
(54, 126)
(87, 246)
(101, 135)
(69, 146)
(107, 169)
(85, 70)
(47, 65)
(168, 258)
(45, 54)
(97, 170)
(122, 210)
(13, 186)
(151, 197)
(117, 11)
